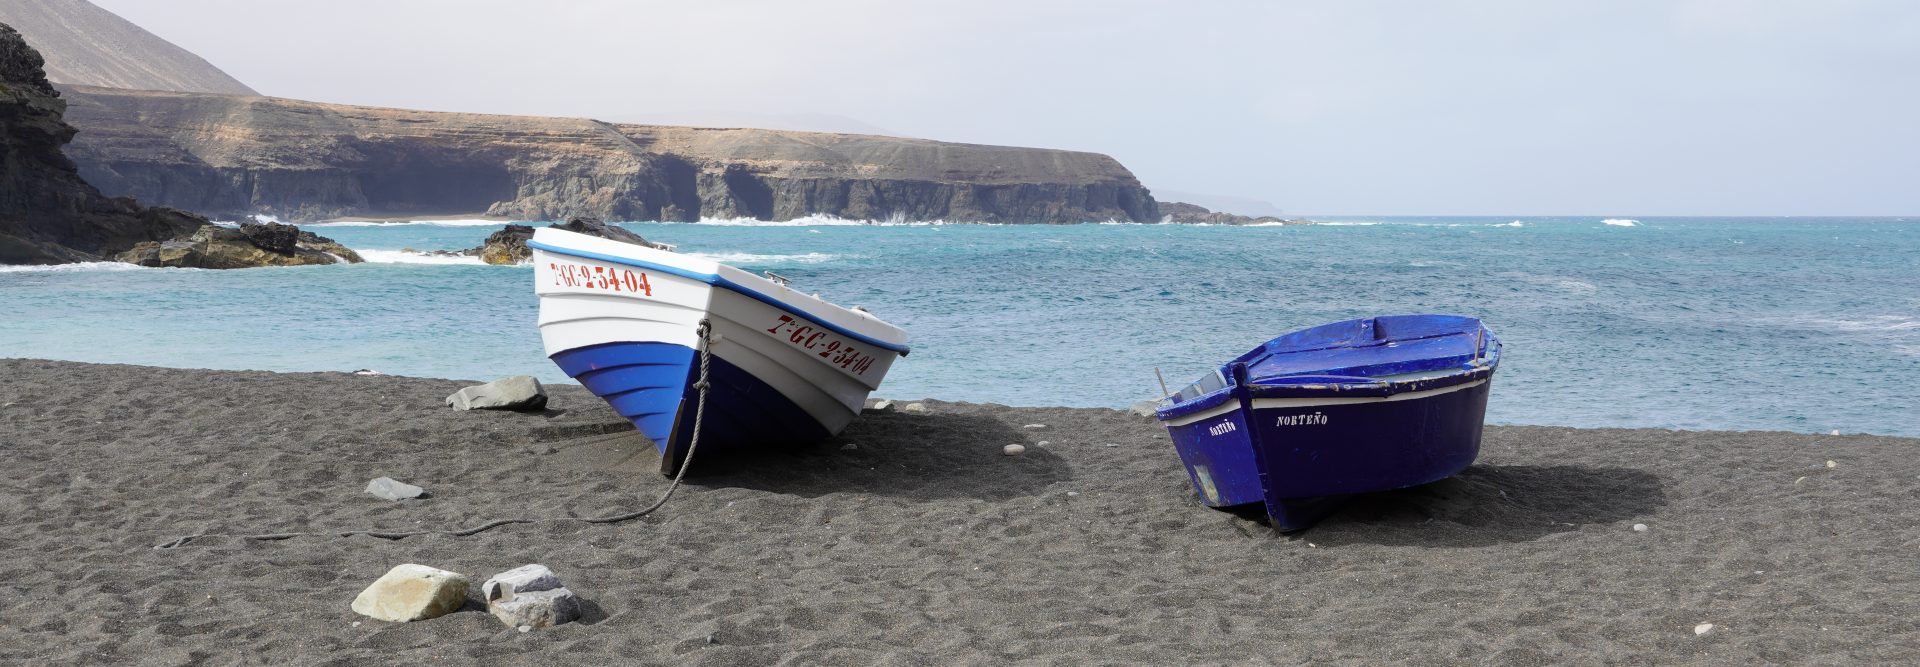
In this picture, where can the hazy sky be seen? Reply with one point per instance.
(1602, 107)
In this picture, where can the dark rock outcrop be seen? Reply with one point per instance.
(48, 214)
(249, 245)
(1194, 214)
(509, 245)
(228, 155)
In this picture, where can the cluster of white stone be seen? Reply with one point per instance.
(525, 597)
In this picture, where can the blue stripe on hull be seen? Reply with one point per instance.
(650, 384)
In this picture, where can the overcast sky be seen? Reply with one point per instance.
(1602, 107)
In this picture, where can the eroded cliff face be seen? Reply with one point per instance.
(48, 215)
(230, 155)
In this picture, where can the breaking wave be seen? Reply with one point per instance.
(1620, 222)
(1516, 223)
(819, 220)
(757, 258)
(404, 257)
(79, 267)
(430, 223)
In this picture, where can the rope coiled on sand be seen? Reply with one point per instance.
(699, 415)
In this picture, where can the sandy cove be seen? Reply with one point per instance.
(922, 544)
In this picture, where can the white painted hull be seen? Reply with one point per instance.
(823, 358)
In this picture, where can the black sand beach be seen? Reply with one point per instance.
(921, 544)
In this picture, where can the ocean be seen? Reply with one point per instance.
(1794, 324)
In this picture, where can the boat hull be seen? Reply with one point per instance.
(785, 369)
(1302, 456)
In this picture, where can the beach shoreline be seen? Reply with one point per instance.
(911, 538)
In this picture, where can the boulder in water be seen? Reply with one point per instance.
(509, 245)
(249, 245)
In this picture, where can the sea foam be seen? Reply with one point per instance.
(757, 258)
(78, 267)
(405, 257)
(1620, 222)
(430, 223)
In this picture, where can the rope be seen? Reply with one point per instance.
(699, 415)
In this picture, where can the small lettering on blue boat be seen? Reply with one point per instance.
(1222, 428)
(1315, 419)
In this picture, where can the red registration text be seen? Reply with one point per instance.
(826, 344)
(599, 277)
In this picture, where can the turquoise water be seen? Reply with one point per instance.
(1790, 324)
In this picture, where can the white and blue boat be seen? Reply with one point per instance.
(1318, 415)
(786, 368)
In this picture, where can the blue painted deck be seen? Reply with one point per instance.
(650, 384)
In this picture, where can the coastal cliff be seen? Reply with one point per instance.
(48, 215)
(234, 155)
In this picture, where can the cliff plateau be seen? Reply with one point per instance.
(234, 155)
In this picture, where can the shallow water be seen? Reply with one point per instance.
(1756, 323)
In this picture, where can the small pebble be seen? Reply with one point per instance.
(1835, 432)
(525, 628)
(1831, 464)
(1113, 444)
(1639, 527)
(849, 447)
(915, 407)
(1042, 443)
(1013, 450)
(1797, 481)
(1073, 493)
(356, 624)
(883, 405)
(1036, 426)
(1702, 629)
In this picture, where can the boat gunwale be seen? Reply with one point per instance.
(718, 280)
(1480, 367)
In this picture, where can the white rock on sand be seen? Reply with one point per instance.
(1013, 450)
(386, 488)
(530, 596)
(523, 579)
(411, 592)
(1702, 629)
(538, 609)
(915, 407)
(520, 392)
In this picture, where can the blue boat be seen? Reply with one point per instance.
(629, 322)
(1315, 416)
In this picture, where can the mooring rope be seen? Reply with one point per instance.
(699, 415)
